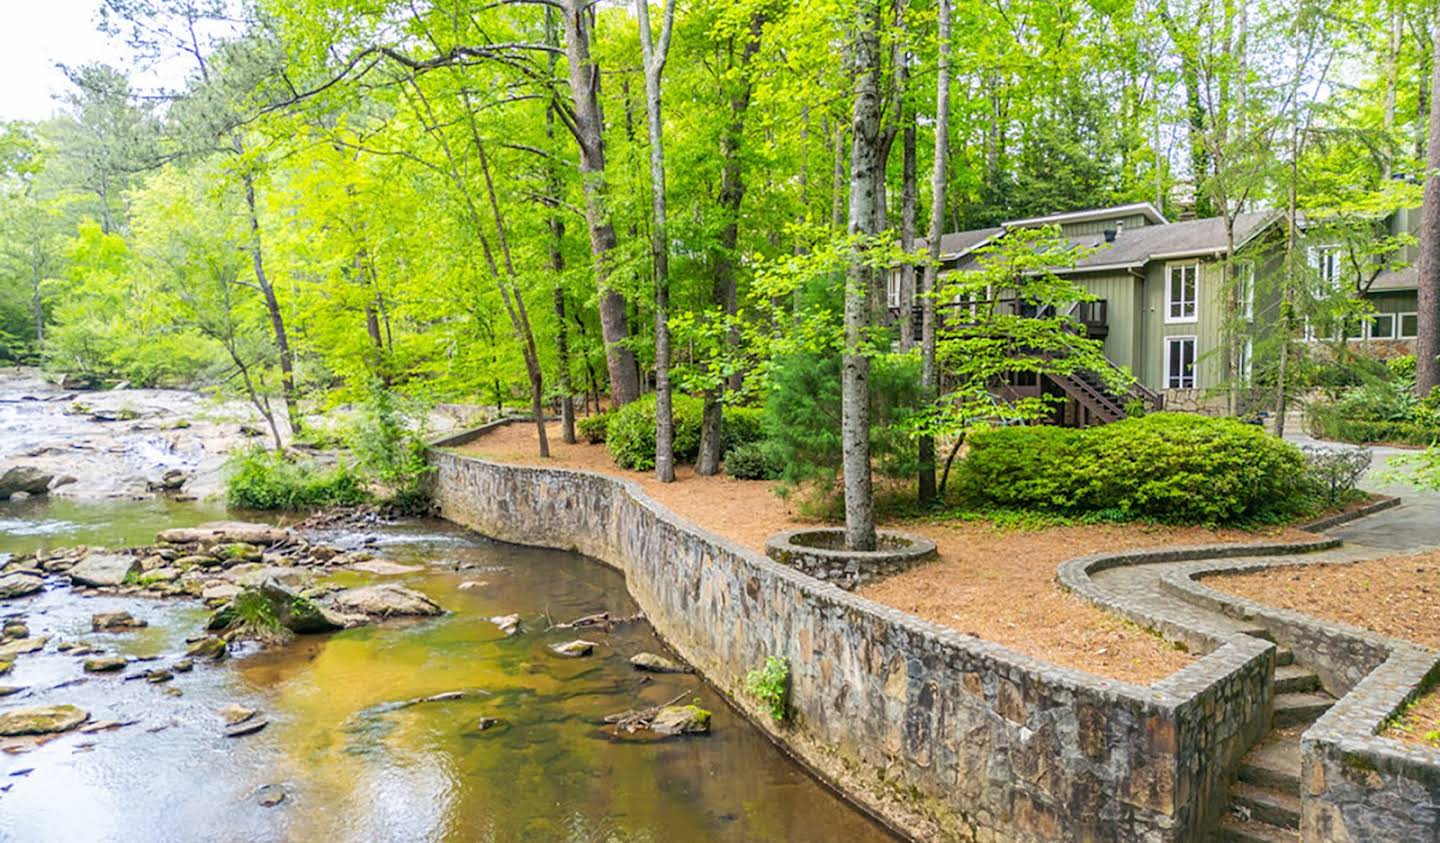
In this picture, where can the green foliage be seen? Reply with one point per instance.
(803, 417)
(388, 442)
(630, 435)
(1166, 466)
(754, 461)
(771, 685)
(250, 615)
(592, 428)
(261, 479)
(741, 426)
(1335, 473)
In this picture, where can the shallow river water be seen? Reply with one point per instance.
(352, 767)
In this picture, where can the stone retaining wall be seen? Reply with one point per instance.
(1356, 785)
(940, 734)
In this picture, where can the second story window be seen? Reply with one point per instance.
(1326, 260)
(1182, 293)
(1245, 291)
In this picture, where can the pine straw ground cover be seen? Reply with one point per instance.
(992, 583)
(1398, 596)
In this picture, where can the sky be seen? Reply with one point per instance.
(35, 35)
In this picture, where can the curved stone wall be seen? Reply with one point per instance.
(942, 735)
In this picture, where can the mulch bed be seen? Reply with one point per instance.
(992, 583)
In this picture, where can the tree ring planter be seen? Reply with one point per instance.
(821, 553)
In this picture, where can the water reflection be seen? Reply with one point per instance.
(358, 768)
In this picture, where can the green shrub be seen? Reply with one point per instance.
(742, 426)
(592, 428)
(1402, 368)
(753, 461)
(1166, 466)
(771, 685)
(630, 435)
(1335, 473)
(388, 441)
(261, 479)
(1329, 421)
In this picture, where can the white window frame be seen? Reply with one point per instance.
(1247, 361)
(892, 290)
(1170, 303)
(1400, 325)
(1327, 253)
(1394, 326)
(1247, 292)
(1170, 343)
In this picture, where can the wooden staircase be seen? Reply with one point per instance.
(1265, 798)
(1098, 402)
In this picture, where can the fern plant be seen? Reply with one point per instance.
(771, 685)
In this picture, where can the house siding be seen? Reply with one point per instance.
(1100, 226)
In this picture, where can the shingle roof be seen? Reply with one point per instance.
(961, 242)
(1405, 278)
(1134, 247)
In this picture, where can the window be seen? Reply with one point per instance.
(1179, 362)
(1409, 326)
(1382, 326)
(1182, 293)
(1247, 360)
(1326, 260)
(1354, 330)
(892, 290)
(1246, 292)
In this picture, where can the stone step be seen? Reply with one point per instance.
(1293, 679)
(1269, 805)
(1293, 709)
(1284, 657)
(1235, 830)
(1274, 761)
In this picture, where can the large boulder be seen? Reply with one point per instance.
(104, 569)
(24, 478)
(300, 615)
(226, 532)
(681, 720)
(19, 585)
(41, 720)
(385, 600)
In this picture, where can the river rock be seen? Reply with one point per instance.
(5, 666)
(652, 663)
(385, 600)
(183, 666)
(160, 576)
(235, 714)
(270, 795)
(224, 532)
(469, 585)
(26, 479)
(9, 651)
(10, 690)
(105, 664)
(384, 568)
(235, 553)
(115, 622)
(158, 676)
(152, 562)
(104, 569)
(294, 612)
(681, 720)
(249, 727)
(573, 649)
(210, 647)
(203, 561)
(14, 630)
(221, 591)
(509, 624)
(170, 481)
(19, 585)
(41, 720)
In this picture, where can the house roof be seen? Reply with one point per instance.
(1405, 278)
(960, 243)
(1134, 247)
(1090, 214)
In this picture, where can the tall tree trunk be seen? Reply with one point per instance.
(723, 288)
(556, 224)
(1427, 340)
(1287, 290)
(865, 159)
(653, 55)
(939, 180)
(1392, 59)
(272, 304)
(588, 127)
(37, 307)
(907, 180)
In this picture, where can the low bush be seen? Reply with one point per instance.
(1335, 472)
(771, 685)
(1166, 466)
(592, 428)
(261, 479)
(388, 440)
(753, 461)
(630, 435)
(741, 426)
(1327, 421)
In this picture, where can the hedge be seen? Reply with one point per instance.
(630, 435)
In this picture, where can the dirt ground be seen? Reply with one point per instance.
(1397, 596)
(995, 584)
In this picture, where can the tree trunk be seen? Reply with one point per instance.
(723, 289)
(865, 160)
(556, 224)
(37, 307)
(588, 127)
(907, 234)
(939, 180)
(1427, 340)
(272, 306)
(653, 55)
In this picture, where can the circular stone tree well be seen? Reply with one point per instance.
(821, 553)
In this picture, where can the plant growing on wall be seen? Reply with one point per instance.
(771, 685)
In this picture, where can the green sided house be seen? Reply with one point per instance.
(1160, 306)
